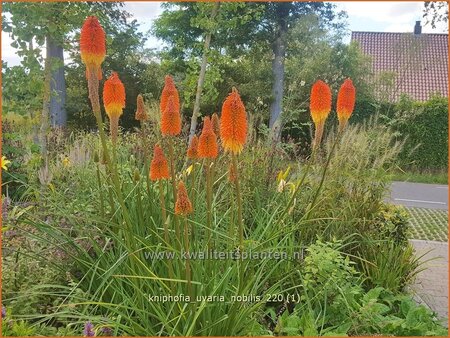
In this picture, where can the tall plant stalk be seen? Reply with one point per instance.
(165, 225)
(208, 203)
(240, 223)
(174, 185)
(187, 262)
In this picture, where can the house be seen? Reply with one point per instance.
(415, 63)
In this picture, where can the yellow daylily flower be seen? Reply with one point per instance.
(5, 163)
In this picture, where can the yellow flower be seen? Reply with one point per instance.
(5, 163)
(283, 175)
(189, 170)
(66, 161)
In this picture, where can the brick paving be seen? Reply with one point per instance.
(431, 285)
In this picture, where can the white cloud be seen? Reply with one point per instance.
(387, 16)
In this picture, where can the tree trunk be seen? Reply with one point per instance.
(58, 114)
(279, 51)
(45, 105)
(201, 78)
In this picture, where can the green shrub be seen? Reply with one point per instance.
(333, 303)
(425, 127)
(392, 223)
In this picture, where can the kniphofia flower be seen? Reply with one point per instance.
(171, 118)
(216, 124)
(233, 124)
(92, 46)
(141, 114)
(320, 107)
(192, 151)
(114, 102)
(168, 91)
(159, 168)
(207, 143)
(345, 102)
(183, 205)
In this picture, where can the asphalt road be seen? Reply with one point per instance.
(420, 195)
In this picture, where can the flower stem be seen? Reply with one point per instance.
(188, 263)
(208, 203)
(240, 223)
(174, 186)
(164, 220)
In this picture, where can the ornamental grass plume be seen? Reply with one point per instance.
(216, 124)
(92, 46)
(114, 102)
(141, 114)
(192, 152)
(183, 205)
(207, 143)
(345, 103)
(320, 107)
(159, 168)
(233, 124)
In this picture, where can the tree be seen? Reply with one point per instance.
(261, 27)
(197, 34)
(201, 77)
(38, 25)
(435, 12)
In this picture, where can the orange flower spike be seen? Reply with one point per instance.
(320, 102)
(114, 96)
(216, 124)
(207, 143)
(159, 168)
(141, 114)
(171, 119)
(92, 45)
(168, 91)
(233, 124)
(192, 151)
(183, 205)
(114, 102)
(345, 102)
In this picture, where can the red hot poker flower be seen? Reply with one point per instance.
(233, 124)
(192, 151)
(320, 102)
(92, 45)
(159, 168)
(207, 144)
(345, 102)
(183, 205)
(171, 119)
(141, 114)
(168, 91)
(114, 96)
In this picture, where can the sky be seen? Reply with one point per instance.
(388, 16)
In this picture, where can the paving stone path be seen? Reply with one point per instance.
(431, 285)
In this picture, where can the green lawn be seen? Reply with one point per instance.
(428, 224)
(436, 178)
